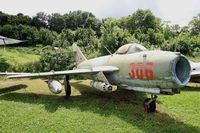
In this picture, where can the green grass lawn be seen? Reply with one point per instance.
(195, 59)
(16, 60)
(13, 56)
(28, 106)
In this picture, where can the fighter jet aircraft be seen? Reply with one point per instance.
(131, 67)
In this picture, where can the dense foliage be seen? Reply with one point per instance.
(113, 36)
(56, 59)
(89, 32)
(92, 34)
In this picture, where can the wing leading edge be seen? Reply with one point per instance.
(11, 73)
(93, 70)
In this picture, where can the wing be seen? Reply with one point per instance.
(93, 70)
(6, 41)
(195, 72)
(11, 73)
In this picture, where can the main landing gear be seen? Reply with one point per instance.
(67, 87)
(150, 104)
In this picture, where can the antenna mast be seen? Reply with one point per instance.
(108, 51)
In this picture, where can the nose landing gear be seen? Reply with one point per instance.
(150, 104)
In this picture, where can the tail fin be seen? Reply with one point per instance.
(79, 57)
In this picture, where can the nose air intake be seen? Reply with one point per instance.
(181, 70)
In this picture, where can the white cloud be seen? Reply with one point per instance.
(176, 11)
(50, 6)
(101, 8)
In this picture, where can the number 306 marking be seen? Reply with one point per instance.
(137, 71)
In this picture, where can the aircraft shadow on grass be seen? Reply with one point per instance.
(191, 88)
(124, 104)
(12, 88)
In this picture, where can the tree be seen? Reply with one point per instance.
(64, 39)
(40, 20)
(86, 38)
(142, 20)
(196, 46)
(3, 18)
(46, 37)
(112, 36)
(8, 30)
(22, 19)
(183, 43)
(19, 19)
(194, 25)
(81, 19)
(168, 32)
(144, 26)
(57, 60)
(56, 22)
(151, 38)
(30, 34)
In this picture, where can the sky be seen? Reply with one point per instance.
(176, 11)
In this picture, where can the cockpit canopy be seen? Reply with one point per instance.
(130, 48)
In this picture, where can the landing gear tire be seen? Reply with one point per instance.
(150, 104)
(67, 87)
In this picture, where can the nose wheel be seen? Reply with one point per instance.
(67, 87)
(150, 104)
